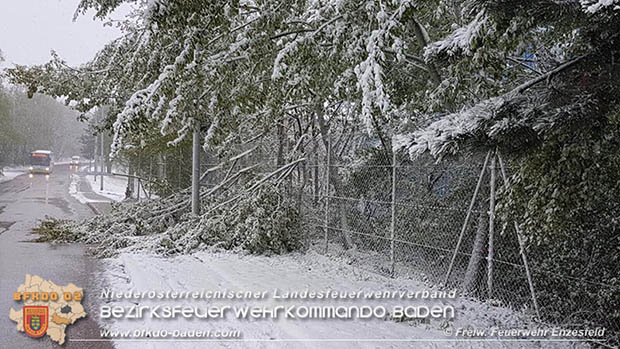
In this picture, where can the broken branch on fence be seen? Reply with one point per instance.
(253, 138)
(221, 164)
(257, 184)
(346, 142)
(299, 141)
(284, 175)
(272, 174)
(231, 168)
(228, 180)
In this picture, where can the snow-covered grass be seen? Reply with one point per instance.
(218, 271)
(113, 186)
(8, 173)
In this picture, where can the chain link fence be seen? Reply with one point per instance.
(431, 221)
(428, 221)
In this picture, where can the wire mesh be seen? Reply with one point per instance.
(431, 200)
(353, 213)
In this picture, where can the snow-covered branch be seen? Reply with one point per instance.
(484, 120)
(459, 41)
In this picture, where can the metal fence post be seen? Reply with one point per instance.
(392, 225)
(327, 175)
(102, 162)
(491, 227)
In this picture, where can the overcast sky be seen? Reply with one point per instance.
(29, 29)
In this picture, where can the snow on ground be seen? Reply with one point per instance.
(9, 173)
(63, 161)
(114, 187)
(217, 271)
(79, 195)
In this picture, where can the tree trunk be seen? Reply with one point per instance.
(196, 172)
(477, 254)
(315, 170)
(280, 156)
(130, 180)
(344, 225)
(161, 166)
(106, 150)
(336, 182)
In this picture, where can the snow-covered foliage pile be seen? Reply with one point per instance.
(261, 222)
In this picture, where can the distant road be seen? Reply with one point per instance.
(24, 201)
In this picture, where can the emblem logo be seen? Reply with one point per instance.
(47, 308)
(35, 320)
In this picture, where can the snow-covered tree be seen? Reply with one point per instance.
(278, 79)
(551, 105)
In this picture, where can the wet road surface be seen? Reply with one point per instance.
(24, 201)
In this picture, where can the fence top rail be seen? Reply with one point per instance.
(90, 173)
(397, 203)
(473, 166)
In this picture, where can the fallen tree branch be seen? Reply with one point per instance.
(272, 174)
(257, 184)
(524, 65)
(228, 180)
(413, 60)
(221, 164)
(424, 39)
(524, 86)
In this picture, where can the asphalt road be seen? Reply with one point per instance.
(24, 201)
